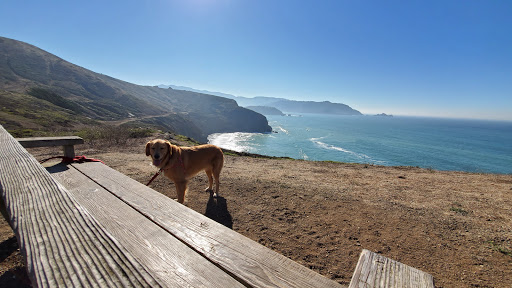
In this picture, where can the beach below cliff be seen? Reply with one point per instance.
(456, 226)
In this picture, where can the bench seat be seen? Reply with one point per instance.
(67, 143)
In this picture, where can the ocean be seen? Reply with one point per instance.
(441, 144)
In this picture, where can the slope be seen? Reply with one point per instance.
(25, 68)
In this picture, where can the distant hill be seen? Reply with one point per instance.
(325, 107)
(383, 115)
(266, 110)
(29, 74)
(282, 104)
(176, 87)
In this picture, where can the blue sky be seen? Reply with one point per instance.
(426, 58)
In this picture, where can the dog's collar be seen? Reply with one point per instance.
(176, 163)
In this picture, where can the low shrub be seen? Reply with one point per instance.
(111, 134)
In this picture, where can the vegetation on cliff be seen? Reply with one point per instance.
(35, 84)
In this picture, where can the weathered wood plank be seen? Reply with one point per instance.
(67, 143)
(50, 141)
(63, 245)
(167, 258)
(253, 264)
(374, 270)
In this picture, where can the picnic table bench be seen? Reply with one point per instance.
(87, 225)
(68, 143)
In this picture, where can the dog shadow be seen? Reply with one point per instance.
(57, 168)
(217, 210)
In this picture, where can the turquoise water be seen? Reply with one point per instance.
(441, 144)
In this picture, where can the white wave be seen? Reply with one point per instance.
(237, 141)
(282, 129)
(303, 154)
(340, 149)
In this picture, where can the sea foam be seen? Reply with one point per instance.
(238, 141)
(332, 147)
(362, 157)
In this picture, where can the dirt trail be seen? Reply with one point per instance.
(127, 120)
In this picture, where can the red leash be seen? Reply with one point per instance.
(162, 169)
(156, 175)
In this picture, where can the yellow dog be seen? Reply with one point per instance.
(180, 164)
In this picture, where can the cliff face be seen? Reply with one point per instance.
(213, 114)
(25, 68)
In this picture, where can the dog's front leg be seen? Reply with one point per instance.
(181, 189)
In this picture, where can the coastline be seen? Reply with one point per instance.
(432, 143)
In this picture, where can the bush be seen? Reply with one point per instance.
(111, 134)
(141, 132)
(23, 133)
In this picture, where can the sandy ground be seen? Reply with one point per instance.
(455, 226)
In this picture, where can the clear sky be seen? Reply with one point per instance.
(428, 58)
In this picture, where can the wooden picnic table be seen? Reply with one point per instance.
(87, 225)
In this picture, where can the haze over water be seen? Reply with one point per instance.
(440, 144)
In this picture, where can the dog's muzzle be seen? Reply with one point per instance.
(156, 159)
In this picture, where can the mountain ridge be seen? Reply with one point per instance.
(283, 104)
(24, 67)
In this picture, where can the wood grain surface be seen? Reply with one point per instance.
(167, 258)
(374, 270)
(251, 263)
(63, 245)
(50, 141)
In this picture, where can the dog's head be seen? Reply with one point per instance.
(159, 150)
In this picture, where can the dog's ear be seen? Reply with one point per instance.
(148, 148)
(169, 147)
